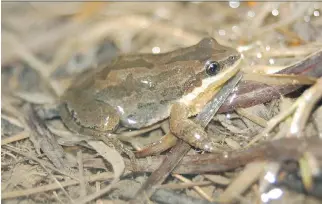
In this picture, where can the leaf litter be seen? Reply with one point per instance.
(51, 46)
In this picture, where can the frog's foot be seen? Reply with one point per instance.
(166, 142)
(118, 145)
(188, 130)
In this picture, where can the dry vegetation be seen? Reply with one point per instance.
(46, 45)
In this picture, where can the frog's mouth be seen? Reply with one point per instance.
(209, 86)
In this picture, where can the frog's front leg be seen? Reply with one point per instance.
(183, 128)
(188, 130)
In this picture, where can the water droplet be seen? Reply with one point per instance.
(156, 50)
(107, 120)
(234, 4)
(130, 121)
(294, 129)
(222, 32)
(275, 12)
(273, 194)
(251, 14)
(197, 136)
(120, 109)
(270, 177)
(232, 98)
(235, 28)
(225, 155)
(316, 13)
(259, 55)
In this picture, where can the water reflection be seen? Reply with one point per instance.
(273, 194)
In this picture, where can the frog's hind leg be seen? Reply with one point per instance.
(183, 128)
(166, 142)
(105, 136)
(188, 130)
(69, 121)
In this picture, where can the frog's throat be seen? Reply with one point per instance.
(208, 86)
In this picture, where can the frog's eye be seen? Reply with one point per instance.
(212, 68)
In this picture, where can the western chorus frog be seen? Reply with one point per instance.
(139, 90)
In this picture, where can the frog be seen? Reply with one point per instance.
(138, 90)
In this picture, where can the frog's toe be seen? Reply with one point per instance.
(158, 147)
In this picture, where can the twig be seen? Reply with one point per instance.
(15, 138)
(196, 188)
(254, 118)
(185, 185)
(58, 183)
(170, 197)
(53, 186)
(276, 150)
(272, 123)
(115, 159)
(163, 171)
(44, 166)
(217, 179)
(242, 182)
(12, 120)
(81, 173)
(302, 108)
(249, 93)
(43, 139)
(10, 148)
(307, 102)
(57, 197)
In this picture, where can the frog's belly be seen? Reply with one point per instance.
(145, 114)
(140, 107)
(140, 110)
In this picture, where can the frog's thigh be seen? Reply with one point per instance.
(102, 116)
(90, 116)
(188, 130)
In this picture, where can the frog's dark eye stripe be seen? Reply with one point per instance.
(212, 68)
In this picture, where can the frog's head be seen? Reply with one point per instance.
(214, 57)
(212, 64)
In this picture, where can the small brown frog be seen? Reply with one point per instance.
(139, 90)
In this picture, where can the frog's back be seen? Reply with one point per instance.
(142, 96)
